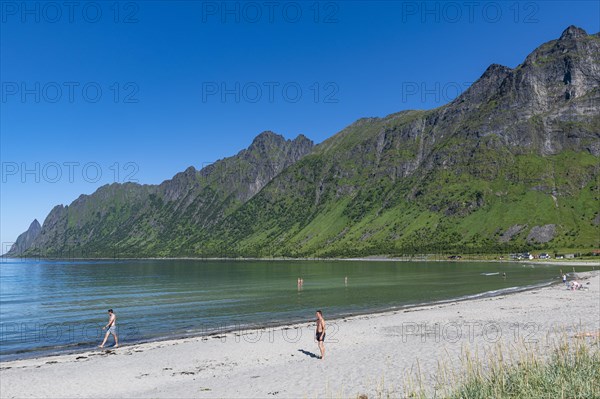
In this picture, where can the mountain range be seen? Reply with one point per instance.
(512, 163)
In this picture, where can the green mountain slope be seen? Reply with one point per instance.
(152, 220)
(512, 163)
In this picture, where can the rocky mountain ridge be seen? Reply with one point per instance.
(511, 163)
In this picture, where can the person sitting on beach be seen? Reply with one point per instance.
(320, 333)
(575, 285)
(112, 329)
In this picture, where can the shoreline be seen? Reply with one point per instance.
(83, 346)
(366, 354)
(566, 262)
(296, 324)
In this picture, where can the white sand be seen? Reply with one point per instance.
(365, 354)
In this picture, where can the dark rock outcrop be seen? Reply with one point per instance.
(541, 234)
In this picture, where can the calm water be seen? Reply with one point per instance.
(54, 306)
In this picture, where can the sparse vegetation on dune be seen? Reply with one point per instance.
(570, 370)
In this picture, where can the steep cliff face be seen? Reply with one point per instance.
(25, 240)
(513, 162)
(546, 105)
(518, 148)
(554, 90)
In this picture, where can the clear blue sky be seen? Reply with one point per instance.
(161, 67)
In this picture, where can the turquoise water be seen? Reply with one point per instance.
(55, 306)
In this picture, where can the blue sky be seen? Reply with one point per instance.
(111, 91)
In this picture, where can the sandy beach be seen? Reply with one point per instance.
(365, 354)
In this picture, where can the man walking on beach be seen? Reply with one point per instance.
(320, 333)
(112, 329)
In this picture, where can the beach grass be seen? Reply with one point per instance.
(571, 370)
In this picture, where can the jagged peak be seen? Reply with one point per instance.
(302, 138)
(486, 85)
(25, 239)
(57, 209)
(572, 32)
(266, 135)
(269, 139)
(571, 40)
(496, 70)
(190, 171)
